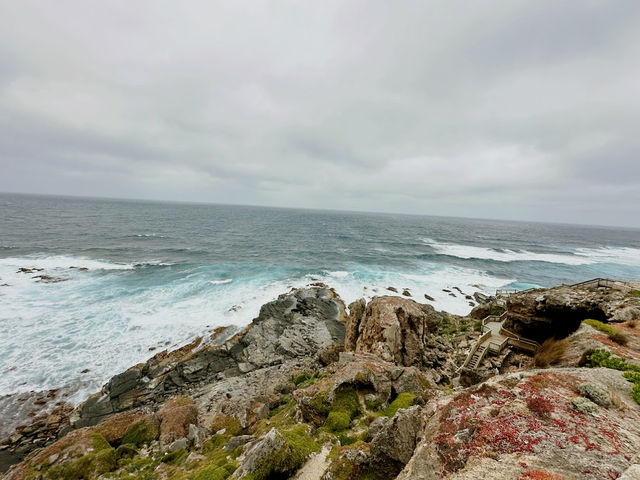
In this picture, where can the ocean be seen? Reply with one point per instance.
(125, 279)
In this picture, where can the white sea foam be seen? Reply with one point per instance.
(430, 280)
(107, 318)
(580, 256)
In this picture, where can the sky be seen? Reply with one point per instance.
(508, 109)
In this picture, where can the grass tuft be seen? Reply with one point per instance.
(550, 352)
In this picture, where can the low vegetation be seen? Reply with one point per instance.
(614, 334)
(603, 358)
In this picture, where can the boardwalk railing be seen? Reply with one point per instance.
(598, 282)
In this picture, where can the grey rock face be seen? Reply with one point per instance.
(296, 325)
(393, 445)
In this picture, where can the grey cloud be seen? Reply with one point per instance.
(508, 109)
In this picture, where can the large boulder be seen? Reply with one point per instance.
(395, 329)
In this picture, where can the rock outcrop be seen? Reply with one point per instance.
(295, 325)
(394, 329)
(557, 312)
(281, 399)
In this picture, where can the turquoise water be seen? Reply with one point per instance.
(159, 274)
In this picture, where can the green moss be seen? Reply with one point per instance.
(286, 460)
(229, 424)
(85, 467)
(98, 442)
(347, 439)
(337, 421)
(373, 405)
(305, 379)
(213, 473)
(404, 400)
(104, 461)
(140, 433)
(347, 401)
(319, 403)
(176, 458)
(126, 450)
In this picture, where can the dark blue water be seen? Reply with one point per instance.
(160, 272)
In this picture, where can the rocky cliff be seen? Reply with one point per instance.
(311, 391)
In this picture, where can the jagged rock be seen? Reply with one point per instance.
(393, 444)
(395, 329)
(177, 445)
(235, 442)
(295, 325)
(482, 298)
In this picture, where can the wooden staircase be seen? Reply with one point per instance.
(477, 357)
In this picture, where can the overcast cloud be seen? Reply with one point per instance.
(502, 109)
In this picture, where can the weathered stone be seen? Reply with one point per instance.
(394, 328)
(393, 445)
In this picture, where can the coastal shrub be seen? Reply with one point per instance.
(614, 334)
(603, 358)
(477, 326)
(594, 393)
(635, 293)
(635, 393)
(632, 324)
(584, 405)
(633, 377)
(140, 433)
(337, 421)
(404, 400)
(550, 352)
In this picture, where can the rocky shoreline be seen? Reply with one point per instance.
(313, 389)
